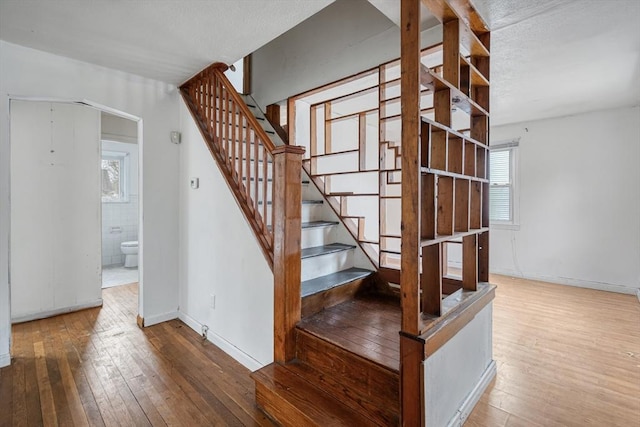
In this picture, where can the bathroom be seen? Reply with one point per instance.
(119, 171)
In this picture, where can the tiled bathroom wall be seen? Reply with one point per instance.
(119, 224)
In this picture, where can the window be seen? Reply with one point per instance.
(502, 193)
(114, 176)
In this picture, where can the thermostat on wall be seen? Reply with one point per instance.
(195, 183)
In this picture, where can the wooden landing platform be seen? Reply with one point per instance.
(367, 326)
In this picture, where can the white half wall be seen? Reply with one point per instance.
(579, 202)
(31, 73)
(457, 374)
(221, 259)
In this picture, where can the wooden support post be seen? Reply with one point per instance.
(287, 206)
(410, 102)
(451, 52)
(411, 350)
(431, 279)
(246, 75)
(273, 113)
(483, 257)
(412, 381)
(470, 262)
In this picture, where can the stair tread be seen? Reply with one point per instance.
(325, 249)
(367, 326)
(312, 403)
(312, 202)
(322, 283)
(318, 224)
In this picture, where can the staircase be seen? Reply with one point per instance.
(333, 379)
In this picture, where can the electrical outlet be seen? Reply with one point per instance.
(212, 301)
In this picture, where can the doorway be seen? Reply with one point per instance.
(56, 204)
(119, 198)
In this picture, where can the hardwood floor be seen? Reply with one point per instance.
(96, 367)
(566, 357)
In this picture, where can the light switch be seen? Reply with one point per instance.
(195, 183)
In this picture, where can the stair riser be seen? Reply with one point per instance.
(312, 212)
(326, 264)
(317, 302)
(317, 236)
(359, 383)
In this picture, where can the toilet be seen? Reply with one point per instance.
(130, 250)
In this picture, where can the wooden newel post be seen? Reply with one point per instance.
(287, 206)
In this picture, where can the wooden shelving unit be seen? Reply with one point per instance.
(453, 174)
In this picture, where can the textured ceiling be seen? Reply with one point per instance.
(168, 40)
(549, 57)
(552, 58)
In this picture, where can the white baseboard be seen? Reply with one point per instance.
(159, 318)
(243, 358)
(470, 402)
(5, 360)
(600, 286)
(55, 312)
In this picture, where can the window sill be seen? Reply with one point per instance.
(504, 226)
(115, 201)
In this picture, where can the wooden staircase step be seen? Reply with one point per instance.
(326, 249)
(318, 224)
(291, 400)
(373, 405)
(356, 381)
(323, 283)
(366, 326)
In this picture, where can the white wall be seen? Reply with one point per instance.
(30, 73)
(579, 202)
(220, 256)
(345, 38)
(456, 375)
(55, 209)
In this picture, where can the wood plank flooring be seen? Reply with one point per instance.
(96, 367)
(566, 357)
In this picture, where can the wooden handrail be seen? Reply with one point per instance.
(262, 177)
(219, 71)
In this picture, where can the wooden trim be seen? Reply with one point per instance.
(411, 381)
(273, 116)
(140, 321)
(287, 206)
(247, 74)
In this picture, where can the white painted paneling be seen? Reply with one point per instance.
(579, 202)
(31, 73)
(55, 207)
(220, 256)
(453, 372)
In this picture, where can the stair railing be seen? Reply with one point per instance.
(266, 182)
